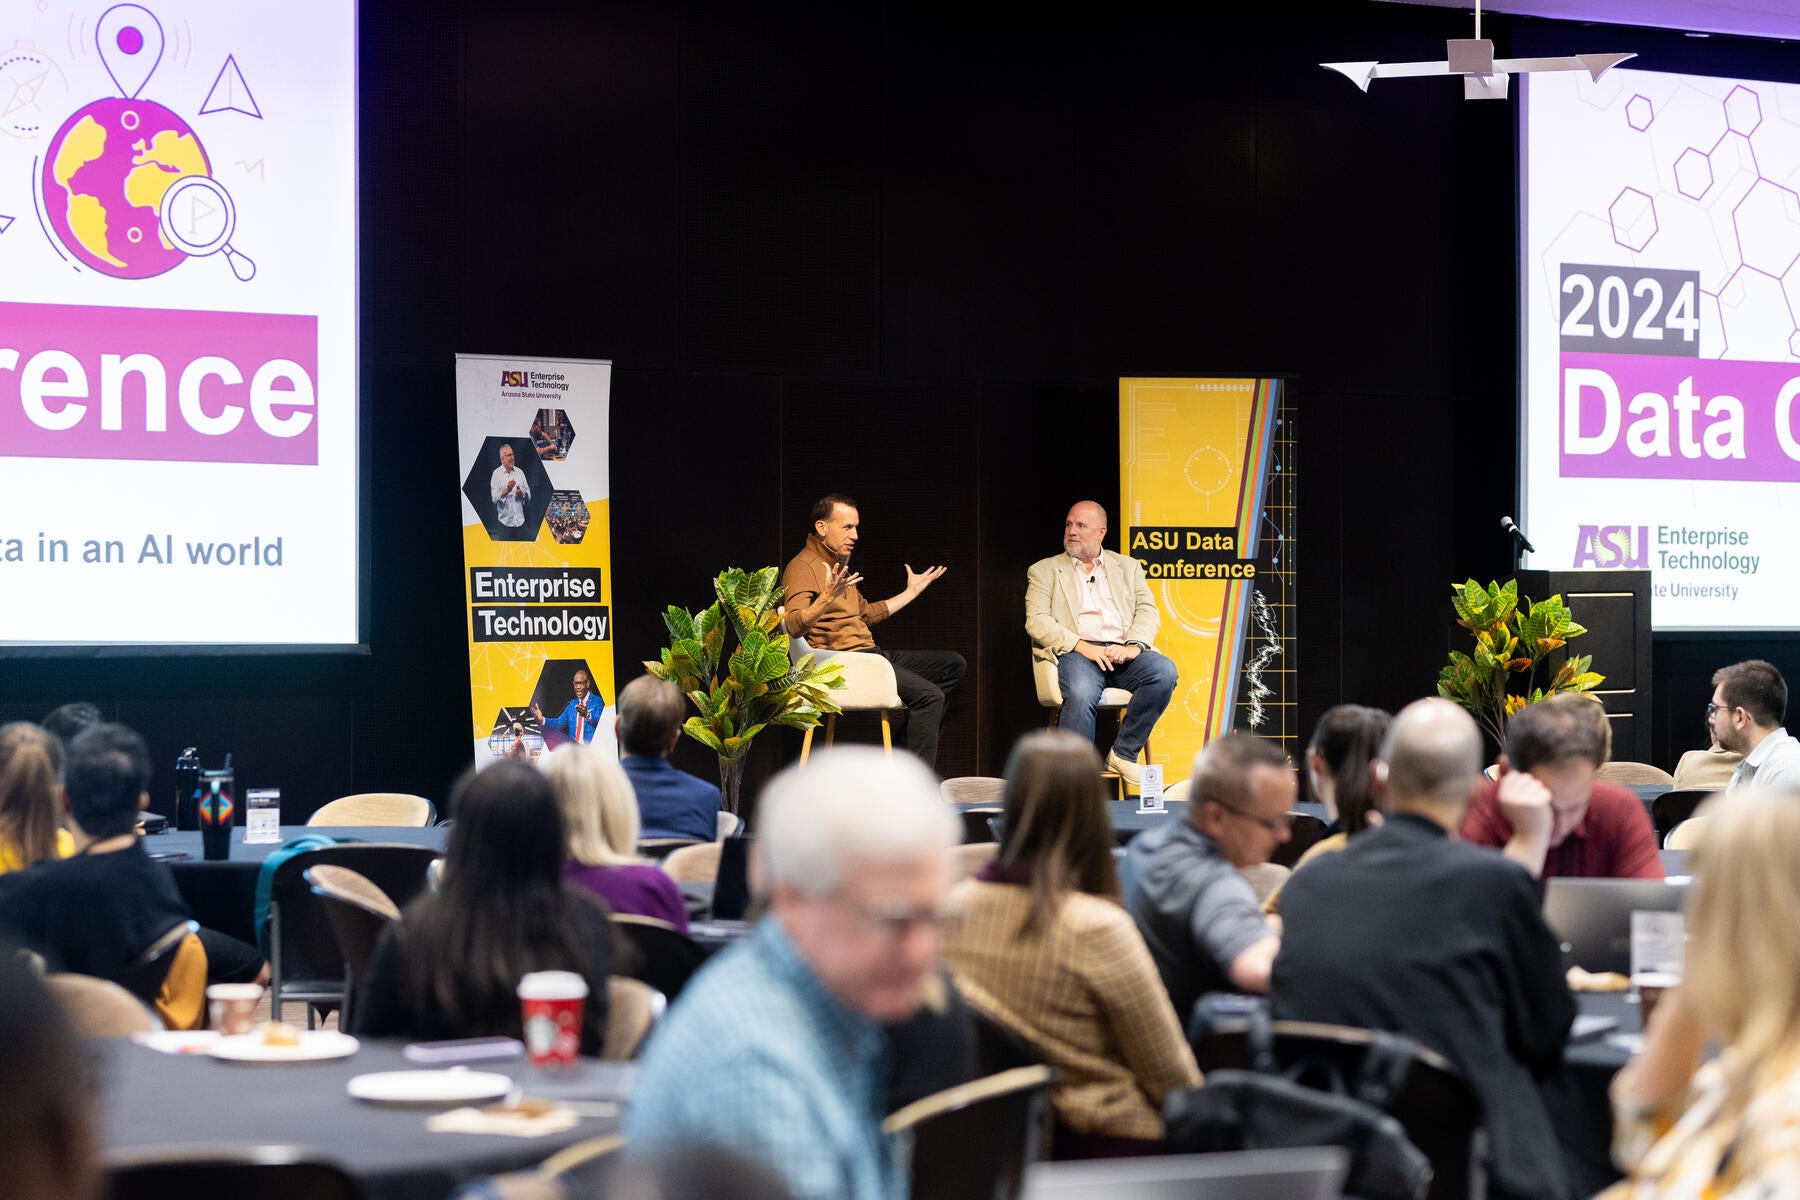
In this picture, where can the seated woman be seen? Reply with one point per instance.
(1686, 1128)
(30, 766)
(1045, 947)
(451, 967)
(1344, 746)
(601, 812)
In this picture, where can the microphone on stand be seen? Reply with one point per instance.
(1506, 523)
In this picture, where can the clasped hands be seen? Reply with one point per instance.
(1107, 658)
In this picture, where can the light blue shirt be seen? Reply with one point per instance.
(758, 1057)
(1775, 763)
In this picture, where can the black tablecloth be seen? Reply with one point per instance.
(153, 1099)
(223, 893)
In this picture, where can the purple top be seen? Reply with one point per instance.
(638, 888)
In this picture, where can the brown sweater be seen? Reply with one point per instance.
(844, 625)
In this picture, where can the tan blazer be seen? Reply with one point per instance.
(1053, 600)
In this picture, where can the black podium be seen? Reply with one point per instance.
(1615, 608)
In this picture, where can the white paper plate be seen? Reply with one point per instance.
(455, 1086)
(315, 1044)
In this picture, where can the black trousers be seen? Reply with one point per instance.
(925, 679)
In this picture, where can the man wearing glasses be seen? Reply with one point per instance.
(776, 1050)
(1197, 912)
(1749, 703)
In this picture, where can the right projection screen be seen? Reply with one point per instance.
(1660, 297)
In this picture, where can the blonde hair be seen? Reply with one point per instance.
(598, 804)
(1743, 926)
(30, 761)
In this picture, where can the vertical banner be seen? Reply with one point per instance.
(1206, 470)
(532, 434)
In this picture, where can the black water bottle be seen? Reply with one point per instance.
(187, 789)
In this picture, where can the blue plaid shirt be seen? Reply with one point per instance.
(758, 1057)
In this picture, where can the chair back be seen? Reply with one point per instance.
(201, 1172)
(1264, 878)
(1436, 1106)
(660, 848)
(99, 1008)
(989, 791)
(698, 863)
(1684, 835)
(869, 682)
(1673, 807)
(974, 1141)
(727, 824)
(1635, 774)
(1181, 790)
(1304, 830)
(633, 1009)
(966, 860)
(658, 953)
(358, 912)
(179, 998)
(377, 808)
(306, 963)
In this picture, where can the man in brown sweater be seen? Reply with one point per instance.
(825, 608)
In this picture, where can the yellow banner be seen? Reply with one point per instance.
(1197, 459)
(537, 548)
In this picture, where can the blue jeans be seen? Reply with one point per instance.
(1150, 678)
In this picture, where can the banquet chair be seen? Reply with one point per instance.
(869, 686)
(975, 1140)
(99, 1008)
(986, 791)
(377, 808)
(1683, 836)
(663, 847)
(574, 1171)
(1672, 808)
(1181, 789)
(1304, 830)
(1049, 694)
(170, 976)
(305, 963)
(1436, 1106)
(358, 912)
(1264, 878)
(967, 860)
(206, 1172)
(727, 825)
(698, 863)
(656, 953)
(1629, 774)
(633, 1008)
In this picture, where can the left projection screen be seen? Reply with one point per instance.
(178, 358)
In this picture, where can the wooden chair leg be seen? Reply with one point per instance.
(831, 729)
(1055, 717)
(887, 733)
(806, 746)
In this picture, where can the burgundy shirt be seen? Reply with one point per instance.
(1613, 841)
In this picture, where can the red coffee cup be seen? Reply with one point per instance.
(550, 1005)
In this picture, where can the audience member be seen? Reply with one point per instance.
(95, 912)
(451, 967)
(1709, 769)
(671, 803)
(825, 608)
(1090, 612)
(48, 1141)
(1684, 1127)
(1550, 810)
(775, 1049)
(602, 817)
(66, 721)
(1198, 914)
(1044, 946)
(1340, 763)
(1411, 931)
(30, 766)
(1749, 704)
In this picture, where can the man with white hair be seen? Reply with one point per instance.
(776, 1049)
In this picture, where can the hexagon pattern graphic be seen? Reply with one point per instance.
(1633, 217)
(1639, 112)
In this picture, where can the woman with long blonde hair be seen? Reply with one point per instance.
(601, 811)
(30, 764)
(1686, 1128)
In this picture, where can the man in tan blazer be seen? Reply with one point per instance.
(1090, 612)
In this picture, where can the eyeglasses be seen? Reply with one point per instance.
(1276, 825)
(1713, 710)
(895, 919)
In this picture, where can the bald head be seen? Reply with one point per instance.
(1083, 530)
(1433, 760)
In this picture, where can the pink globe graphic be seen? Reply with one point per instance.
(104, 177)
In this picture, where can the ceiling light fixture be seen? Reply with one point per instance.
(1484, 76)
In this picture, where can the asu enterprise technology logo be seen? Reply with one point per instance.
(1613, 547)
(513, 379)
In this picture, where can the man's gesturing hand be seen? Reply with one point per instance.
(918, 581)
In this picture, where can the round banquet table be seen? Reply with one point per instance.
(222, 893)
(151, 1099)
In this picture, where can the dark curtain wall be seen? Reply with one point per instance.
(905, 251)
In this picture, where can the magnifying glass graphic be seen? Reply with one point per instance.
(198, 218)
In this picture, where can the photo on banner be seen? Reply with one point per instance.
(533, 444)
(1206, 472)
